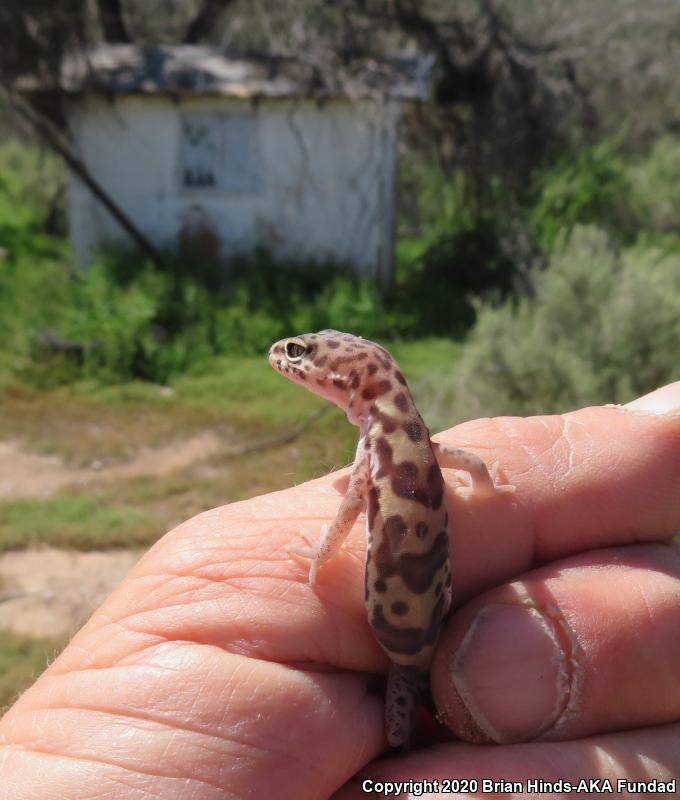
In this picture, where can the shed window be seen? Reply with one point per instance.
(218, 151)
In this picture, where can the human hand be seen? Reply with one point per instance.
(214, 669)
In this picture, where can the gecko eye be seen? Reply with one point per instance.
(295, 350)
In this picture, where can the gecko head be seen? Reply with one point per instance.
(338, 366)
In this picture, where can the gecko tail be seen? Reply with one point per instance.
(404, 685)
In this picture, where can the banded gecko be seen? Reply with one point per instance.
(397, 479)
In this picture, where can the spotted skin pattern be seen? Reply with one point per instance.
(397, 480)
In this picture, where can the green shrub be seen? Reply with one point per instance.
(122, 318)
(458, 267)
(655, 182)
(429, 200)
(450, 254)
(590, 186)
(31, 201)
(601, 327)
(58, 325)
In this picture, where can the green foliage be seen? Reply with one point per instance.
(449, 256)
(601, 327)
(465, 263)
(429, 199)
(67, 520)
(113, 324)
(31, 191)
(102, 327)
(265, 300)
(590, 186)
(655, 181)
(123, 318)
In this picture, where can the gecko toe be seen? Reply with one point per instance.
(508, 488)
(308, 553)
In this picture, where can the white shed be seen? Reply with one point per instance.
(236, 154)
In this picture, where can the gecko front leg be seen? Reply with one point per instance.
(482, 480)
(333, 535)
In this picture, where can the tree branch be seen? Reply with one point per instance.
(203, 23)
(112, 21)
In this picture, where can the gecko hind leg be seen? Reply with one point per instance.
(483, 482)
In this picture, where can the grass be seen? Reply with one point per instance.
(69, 520)
(241, 400)
(22, 659)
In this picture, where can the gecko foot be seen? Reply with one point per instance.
(312, 552)
(508, 488)
(486, 484)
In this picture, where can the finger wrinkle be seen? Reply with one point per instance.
(612, 467)
(36, 750)
(569, 427)
(133, 642)
(518, 441)
(167, 724)
(639, 588)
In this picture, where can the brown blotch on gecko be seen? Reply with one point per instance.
(387, 424)
(401, 402)
(396, 479)
(414, 430)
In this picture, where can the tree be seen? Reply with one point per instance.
(35, 35)
(205, 21)
(514, 82)
(112, 21)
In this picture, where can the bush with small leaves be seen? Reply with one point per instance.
(590, 186)
(655, 182)
(602, 326)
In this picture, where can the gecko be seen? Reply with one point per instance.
(397, 480)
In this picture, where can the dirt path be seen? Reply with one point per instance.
(51, 592)
(26, 474)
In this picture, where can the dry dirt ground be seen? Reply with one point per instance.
(51, 592)
(26, 474)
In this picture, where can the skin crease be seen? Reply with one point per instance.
(215, 671)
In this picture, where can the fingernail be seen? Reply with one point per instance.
(665, 400)
(511, 672)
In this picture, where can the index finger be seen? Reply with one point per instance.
(596, 477)
(588, 479)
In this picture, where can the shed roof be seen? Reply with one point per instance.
(197, 70)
